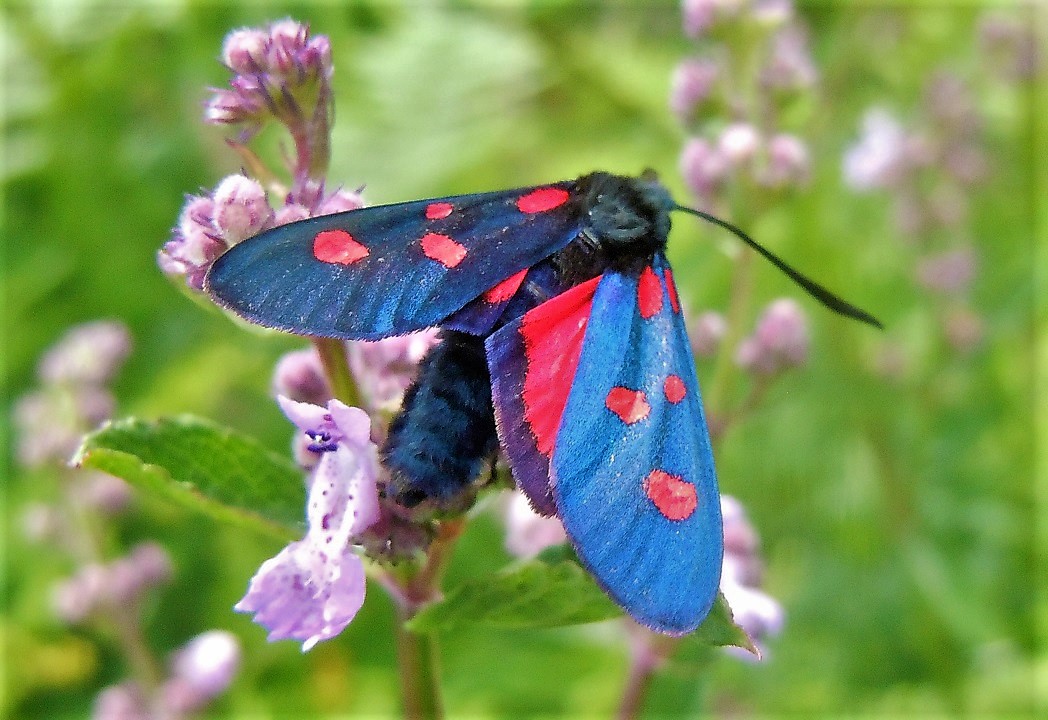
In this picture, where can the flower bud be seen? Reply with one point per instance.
(706, 333)
(692, 83)
(877, 160)
(299, 375)
(121, 702)
(240, 208)
(208, 663)
(244, 50)
(738, 143)
(704, 168)
(788, 161)
(340, 201)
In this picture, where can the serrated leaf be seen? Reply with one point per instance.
(531, 594)
(552, 590)
(202, 466)
(719, 629)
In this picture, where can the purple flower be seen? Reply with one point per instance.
(706, 333)
(315, 586)
(300, 376)
(788, 161)
(703, 166)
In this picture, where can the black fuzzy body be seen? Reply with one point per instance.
(446, 427)
(445, 431)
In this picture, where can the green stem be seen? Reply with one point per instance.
(647, 654)
(738, 310)
(418, 663)
(336, 366)
(418, 658)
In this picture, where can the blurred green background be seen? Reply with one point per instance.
(897, 514)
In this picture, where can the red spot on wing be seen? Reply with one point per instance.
(443, 249)
(630, 405)
(337, 246)
(438, 210)
(553, 334)
(505, 289)
(672, 495)
(542, 200)
(674, 389)
(671, 289)
(649, 294)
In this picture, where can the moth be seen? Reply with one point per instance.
(564, 343)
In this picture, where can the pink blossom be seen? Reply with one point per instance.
(527, 532)
(384, 369)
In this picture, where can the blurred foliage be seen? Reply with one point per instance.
(897, 516)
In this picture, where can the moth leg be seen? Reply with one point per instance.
(445, 432)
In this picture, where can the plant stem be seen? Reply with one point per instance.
(418, 663)
(418, 658)
(648, 651)
(336, 366)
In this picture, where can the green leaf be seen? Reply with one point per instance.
(552, 590)
(202, 466)
(719, 629)
(535, 593)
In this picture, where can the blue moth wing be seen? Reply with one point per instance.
(533, 360)
(632, 467)
(393, 269)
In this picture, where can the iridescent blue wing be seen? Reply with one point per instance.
(632, 468)
(392, 269)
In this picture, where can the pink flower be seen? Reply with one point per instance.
(527, 532)
(779, 342)
(315, 586)
(384, 369)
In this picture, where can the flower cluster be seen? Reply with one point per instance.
(237, 209)
(279, 71)
(73, 396)
(779, 342)
(757, 613)
(279, 74)
(115, 586)
(762, 38)
(928, 168)
(106, 593)
(199, 672)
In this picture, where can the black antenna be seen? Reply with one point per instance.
(813, 288)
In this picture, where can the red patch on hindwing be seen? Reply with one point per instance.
(671, 289)
(337, 246)
(438, 210)
(674, 389)
(443, 249)
(505, 289)
(673, 496)
(630, 405)
(649, 294)
(552, 335)
(542, 199)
